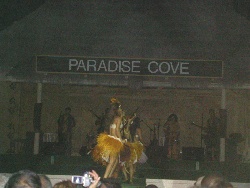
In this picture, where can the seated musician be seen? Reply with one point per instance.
(172, 133)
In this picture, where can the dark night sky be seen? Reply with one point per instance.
(14, 10)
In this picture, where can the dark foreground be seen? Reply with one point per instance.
(156, 168)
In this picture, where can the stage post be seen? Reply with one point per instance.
(222, 149)
(223, 98)
(223, 124)
(37, 118)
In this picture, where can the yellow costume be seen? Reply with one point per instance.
(136, 149)
(106, 146)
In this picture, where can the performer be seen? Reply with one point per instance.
(109, 145)
(135, 130)
(124, 155)
(66, 122)
(172, 133)
(132, 133)
(212, 137)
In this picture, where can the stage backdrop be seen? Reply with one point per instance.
(153, 107)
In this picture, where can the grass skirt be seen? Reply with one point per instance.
(136, 149)
(106, 146)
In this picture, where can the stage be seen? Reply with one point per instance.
(157, 169)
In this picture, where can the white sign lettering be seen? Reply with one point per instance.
(102, 66)
(72, 62)
(181, 68)
(130, 66)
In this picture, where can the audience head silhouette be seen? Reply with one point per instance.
(24, 179)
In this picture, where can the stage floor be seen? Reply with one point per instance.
(155, 168)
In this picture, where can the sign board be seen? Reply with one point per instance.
(129, 66)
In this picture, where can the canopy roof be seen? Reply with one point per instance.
(168, 29)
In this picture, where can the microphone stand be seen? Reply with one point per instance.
(151, 130)
(201, 127)
(159, 129)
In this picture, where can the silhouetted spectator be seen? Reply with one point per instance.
(215, 181)
(110, 183)
(151, 186)
(24, 179)
(65, 184)
(45, 181)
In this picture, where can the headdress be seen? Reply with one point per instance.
(114, 100)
